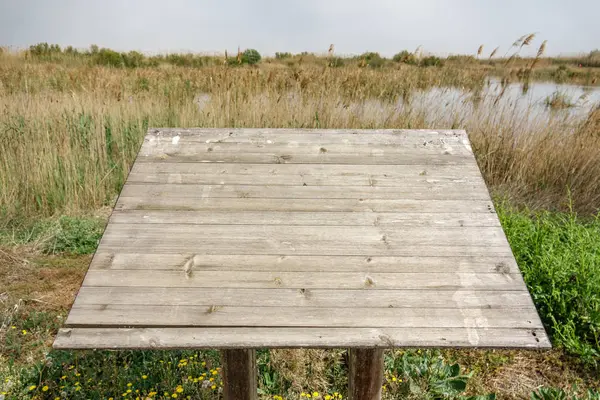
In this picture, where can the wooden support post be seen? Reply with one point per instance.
(239, 374)
(366, 374)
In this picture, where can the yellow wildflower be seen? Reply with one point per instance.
(179, 389)
(327, 397)
(215, 372)
(394, 379)
(45, 389)
(213, 387)
(315, 394)
(24, 332)
(174, 395)
(203, 363)
(32, 387)
(144, 376)
(129, 384)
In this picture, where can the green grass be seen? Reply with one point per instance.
(63, 235)
(559, 255)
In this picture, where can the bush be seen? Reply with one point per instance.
(109, 58)
(75, 236)
(405, 57)
(282, 56)
(44, 50)
(373, 60)
(133, 59)
(559, 255)
(250, 56)
(431, 61)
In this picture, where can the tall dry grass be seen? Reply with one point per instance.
(68, 134)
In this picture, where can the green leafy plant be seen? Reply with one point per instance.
(75, 236)
(425, 375)
(546, 393)
(250, 56)
(559, 255)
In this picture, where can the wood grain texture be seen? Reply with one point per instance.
(244, 337)
(365, 372)
(193, 278)
(115, 315)
(289, 297)
(239, 374)
(294, 263)
(173, 203)
(247, 238)
(427, 191)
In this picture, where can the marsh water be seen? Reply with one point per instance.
(452, 107)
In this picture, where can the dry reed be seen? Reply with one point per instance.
(68, 135)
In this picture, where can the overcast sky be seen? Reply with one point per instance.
(354, 26)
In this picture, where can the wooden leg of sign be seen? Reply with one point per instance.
(239, 374)
(366, 374)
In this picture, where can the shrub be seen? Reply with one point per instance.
(75, 236)
(282, 56)
(109, 58)
(44, 50)
(133, 59)
(431, 61)
(559, 255)
(405, 57)
(373, 60)
(250, 56)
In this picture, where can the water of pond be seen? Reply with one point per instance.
(530, 103)
(441, 106)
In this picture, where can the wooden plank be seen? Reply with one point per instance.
(114, 315)
(292, 158)
(319, 298)
(302, 280)
(427, 191)
(307, 205)
(239, 374)
(196, 146)
(312, 136)
(187, 151)
(240, 337)
(432, 220)
(296, 236)
(365, 373)
(261, 247)
(191, 149)
(294, 263)
(424, 172)
(349, 180)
